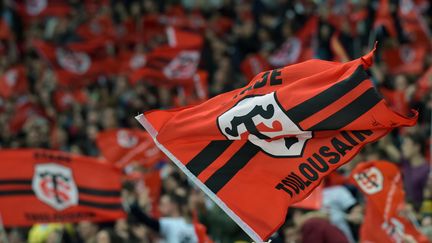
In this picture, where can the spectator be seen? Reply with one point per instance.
(87, 231)
(173, 226)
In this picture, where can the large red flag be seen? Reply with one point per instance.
(381, 183)
(122, 146)
(258, 149)
(40, 186)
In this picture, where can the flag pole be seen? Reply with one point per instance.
(3, 231)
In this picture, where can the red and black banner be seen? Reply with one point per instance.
(41, 186)
(259, 149)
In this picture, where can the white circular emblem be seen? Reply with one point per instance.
(126, 139)
(74, 62)
(54, 185)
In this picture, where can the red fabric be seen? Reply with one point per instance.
(153, 182)
(319, 230)
(183, 39)
(77, 64)
(396, 99)
(413, 23)
(13, 82)
(221, 25)
(168, 67)
(43, 8)
(381, 183)
(335, 179)
(295, 49)
(254, 64)
(123, 146)
(64, 99)
(260, 142)
(24, 111)
(131, 61)
(5, 33)
(195, 92)
(200, 229)
(384, 18)
(176, 19)
(406, 59)
(313, 201)
(92, 6)
(150, 180)
(424, 85)
(99, 26)
(89, 191)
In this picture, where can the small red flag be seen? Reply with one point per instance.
(381, 183)
(13, 82)
(123, 146)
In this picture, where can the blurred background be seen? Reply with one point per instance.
(71, 71)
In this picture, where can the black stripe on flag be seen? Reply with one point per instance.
(209, 154)
(16, 192)
(349, 113)
(99, 192)
(106, 206)
(328, 96)
(15, 182)
(239, 160)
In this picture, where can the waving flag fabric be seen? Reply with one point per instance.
(77, 63)
(123, 146)
(40, 186)
(381, 183)
(168, 66)
(259, 149)
(31, 9)
(13, 82)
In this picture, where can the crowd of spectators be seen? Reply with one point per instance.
(233, 31)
